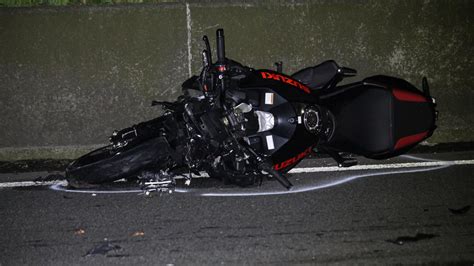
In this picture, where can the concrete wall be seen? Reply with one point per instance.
(71, 75)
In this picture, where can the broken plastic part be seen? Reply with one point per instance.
(138, 233)
(79, 231)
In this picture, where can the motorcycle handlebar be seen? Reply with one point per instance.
(220, 46)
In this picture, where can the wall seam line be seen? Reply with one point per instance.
(188, 26)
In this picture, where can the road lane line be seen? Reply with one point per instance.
(379, 166)
(293, 171)
(29, 184)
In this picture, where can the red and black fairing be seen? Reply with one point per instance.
(379, 117)
(291, 141)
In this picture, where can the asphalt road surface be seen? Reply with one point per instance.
(405, 210)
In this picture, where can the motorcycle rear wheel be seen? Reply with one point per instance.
(107, 164)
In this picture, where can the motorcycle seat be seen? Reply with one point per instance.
(317, 77)
(380, 117)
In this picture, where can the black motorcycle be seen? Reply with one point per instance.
(239, 124)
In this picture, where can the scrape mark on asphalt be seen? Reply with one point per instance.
(308, 188)
(408, 239)
(103, 249)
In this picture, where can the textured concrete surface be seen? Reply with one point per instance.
(69, 76)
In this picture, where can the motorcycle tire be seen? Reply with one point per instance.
(106, 164)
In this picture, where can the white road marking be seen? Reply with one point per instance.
(293, 171)
(29, 184)
(379, 166)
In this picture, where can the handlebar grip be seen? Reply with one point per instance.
(220, 46)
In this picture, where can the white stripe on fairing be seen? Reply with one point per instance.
(293, 171)
(270, 144)
(268, 98)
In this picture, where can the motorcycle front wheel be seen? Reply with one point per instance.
(108, 164)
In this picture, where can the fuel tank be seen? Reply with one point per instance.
(289, 111)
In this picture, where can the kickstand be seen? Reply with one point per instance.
(341, 161)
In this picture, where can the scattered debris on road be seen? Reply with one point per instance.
(460, 211)
(103, 249)
(79, 232)
(138, 233)
(407, 239)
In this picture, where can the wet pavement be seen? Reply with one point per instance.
(404, 210)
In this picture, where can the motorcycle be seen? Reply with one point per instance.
(239, 124)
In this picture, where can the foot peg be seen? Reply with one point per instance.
(341, 161)
(347, 162)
